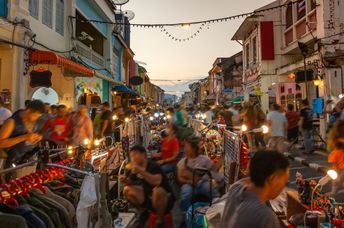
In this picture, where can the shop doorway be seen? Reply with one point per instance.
(47, 95)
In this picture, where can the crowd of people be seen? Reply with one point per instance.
(147, 185)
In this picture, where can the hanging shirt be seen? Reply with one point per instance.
(88, 198)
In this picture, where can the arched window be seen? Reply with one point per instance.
(47, 95)
(289, 15)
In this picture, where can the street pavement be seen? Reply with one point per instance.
(317, 160)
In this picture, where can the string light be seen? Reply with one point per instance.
(217, 20)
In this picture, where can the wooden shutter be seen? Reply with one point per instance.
(267, 43)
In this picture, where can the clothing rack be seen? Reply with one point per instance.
(29, 163)
(68, 168)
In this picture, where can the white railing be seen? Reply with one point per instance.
(90, 55)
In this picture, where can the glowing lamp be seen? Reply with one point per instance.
(317, 82)
(265, 129)
(291, 76)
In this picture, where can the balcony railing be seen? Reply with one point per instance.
(90, 55)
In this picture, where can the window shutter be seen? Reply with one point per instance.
(59, 23)
(47, 13)
(33, 8)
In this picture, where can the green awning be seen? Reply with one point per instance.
(235, 100)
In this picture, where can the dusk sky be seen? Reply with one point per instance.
(169, 59)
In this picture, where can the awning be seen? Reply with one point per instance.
(47, 57)
(235, 100)
(124, 89)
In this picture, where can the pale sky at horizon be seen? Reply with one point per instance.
(169, 59)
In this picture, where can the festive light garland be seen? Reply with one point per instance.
(167, 33)
(183, 24)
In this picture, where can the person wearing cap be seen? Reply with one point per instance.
(185, 168)
(146, 186)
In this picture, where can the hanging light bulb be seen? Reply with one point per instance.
(185, 25)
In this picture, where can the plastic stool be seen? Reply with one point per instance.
(168, 220)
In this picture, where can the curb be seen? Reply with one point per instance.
(304, 162)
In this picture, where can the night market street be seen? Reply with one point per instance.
(171, 114)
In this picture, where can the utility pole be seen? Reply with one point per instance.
(304, 51)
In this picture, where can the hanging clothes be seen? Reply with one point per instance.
(88, 198)
(12, 221)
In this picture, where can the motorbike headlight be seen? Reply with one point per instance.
(243, 127)
(265, 129)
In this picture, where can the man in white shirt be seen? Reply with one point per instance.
(278, 124)
(4, 113)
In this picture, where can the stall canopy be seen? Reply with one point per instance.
(47, 57)
(235, 100)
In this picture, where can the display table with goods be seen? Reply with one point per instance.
(308, 206)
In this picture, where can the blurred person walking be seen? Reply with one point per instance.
(306, 125)
(292, 118)
(336, 157)
(278, 125)
(80, 127)
(56, 127)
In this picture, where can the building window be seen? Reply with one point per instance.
(33, 8)
(301, 9)
(282, 89)
(313, 4)
(289, 15)
(47, 13)
(254, 47)
(247, 53)
(94, 39)
(59, 21)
